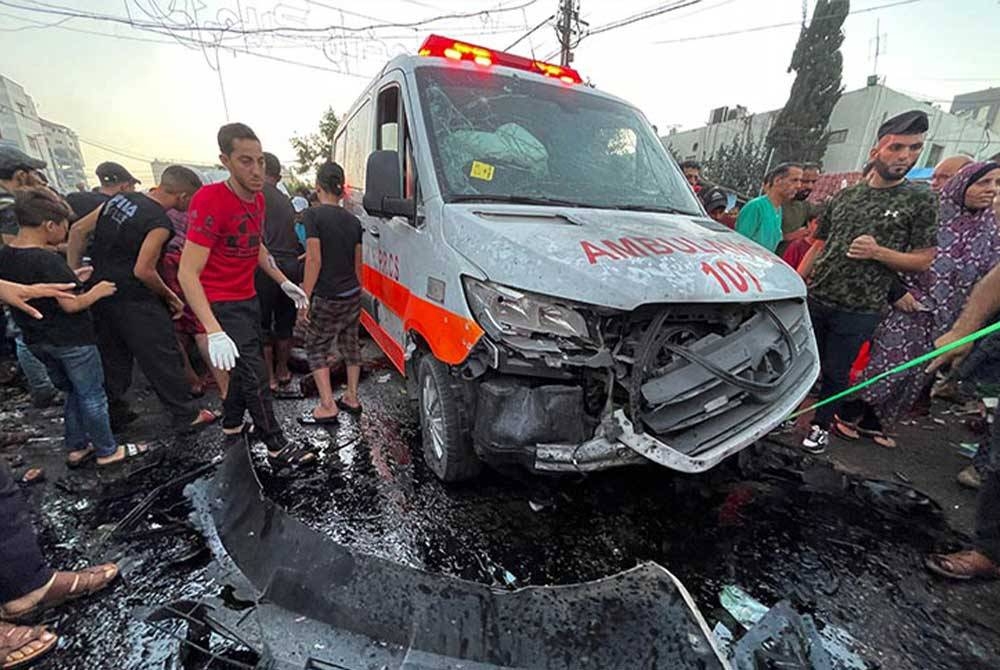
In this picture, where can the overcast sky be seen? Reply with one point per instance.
(143, 94)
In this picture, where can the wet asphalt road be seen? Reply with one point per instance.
(849, 554)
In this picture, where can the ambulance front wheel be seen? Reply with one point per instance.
(445, 423)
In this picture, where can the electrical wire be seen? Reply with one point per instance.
(642, 16)
(772, 26)
(45, 8)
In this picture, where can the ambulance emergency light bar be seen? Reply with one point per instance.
(443, 47)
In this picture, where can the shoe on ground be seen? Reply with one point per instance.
(969, 477)
(817, 440)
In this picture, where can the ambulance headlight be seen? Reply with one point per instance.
(503, 310)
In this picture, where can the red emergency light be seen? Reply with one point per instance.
(443, 47)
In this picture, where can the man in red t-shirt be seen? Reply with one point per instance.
(222, 251)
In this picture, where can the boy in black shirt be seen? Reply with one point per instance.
(64, 338)
(333, 282)
(129, 234)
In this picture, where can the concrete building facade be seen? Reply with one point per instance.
(53, 143)
(982, 106)
(65, 158)
(209, 174)
(853, 124)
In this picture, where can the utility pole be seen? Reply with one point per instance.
(568, 16)
(878, 45)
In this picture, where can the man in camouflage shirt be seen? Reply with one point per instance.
(867, 234)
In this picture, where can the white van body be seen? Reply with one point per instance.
(536, 264)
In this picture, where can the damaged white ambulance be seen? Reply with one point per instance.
(537, 266)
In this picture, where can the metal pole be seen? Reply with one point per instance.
(565, 30)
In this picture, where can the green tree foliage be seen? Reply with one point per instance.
(799, 133)
(739, 165)
(313, 149)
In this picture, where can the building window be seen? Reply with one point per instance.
(33, 144)
(837, 136)
(694, 147)
(934, 155)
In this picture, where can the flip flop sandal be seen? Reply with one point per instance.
(133, 452)
(350, 409)
(67, 586)
(15, 639)
(310, 419)
(89, 454)
(936, 564)
(31, 477)
(838, 428)
(205, 418)
(292, 456)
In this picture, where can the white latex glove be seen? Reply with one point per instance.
(297, 295)
(222, 350)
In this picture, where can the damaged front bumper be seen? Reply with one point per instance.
(721, 395)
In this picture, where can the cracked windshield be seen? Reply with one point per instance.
(503, 136)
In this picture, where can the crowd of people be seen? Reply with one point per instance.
(890, 265)
(206, 285)
(197, 285)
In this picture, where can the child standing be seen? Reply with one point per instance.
(64, 338)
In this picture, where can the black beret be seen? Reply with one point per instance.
(907, 123)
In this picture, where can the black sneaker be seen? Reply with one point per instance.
(817, 440)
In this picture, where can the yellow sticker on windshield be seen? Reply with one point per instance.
(482, 171)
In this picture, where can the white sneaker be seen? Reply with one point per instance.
(817, 440)
(969, 477)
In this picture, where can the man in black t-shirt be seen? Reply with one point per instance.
(333, 283)
(129, 234)
(114, 179)
(277, 311)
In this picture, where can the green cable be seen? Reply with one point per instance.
(920, 360)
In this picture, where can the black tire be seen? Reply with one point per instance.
(448, 448)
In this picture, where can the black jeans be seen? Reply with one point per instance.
(248, 385)
(142, 331)
(22, 568)
(839, 336)
(988, 504)
(277, 311)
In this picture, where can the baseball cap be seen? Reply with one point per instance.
(300, 204)
(715, 199)
(114, 173)
(12, 158)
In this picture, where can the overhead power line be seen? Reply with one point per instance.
(772, 26)
(642, 16)
(59, 10)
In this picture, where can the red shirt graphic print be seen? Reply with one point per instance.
(231, 229)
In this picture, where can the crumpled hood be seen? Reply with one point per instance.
(615, 258)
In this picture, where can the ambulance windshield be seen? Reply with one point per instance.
(498, 135)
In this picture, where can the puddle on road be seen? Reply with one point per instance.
(829, 553)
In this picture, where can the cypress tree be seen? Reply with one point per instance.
(799, 133)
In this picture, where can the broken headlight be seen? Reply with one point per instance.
(502, 310)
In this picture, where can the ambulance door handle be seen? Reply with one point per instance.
(374, 231)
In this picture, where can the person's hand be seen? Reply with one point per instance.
(910, 304)
(952, 358)
(104, 289)
(303, 316)
(84, 273)
(297, 295)
(864, 247)
(18, 295)
(176, 306)
(222, 351)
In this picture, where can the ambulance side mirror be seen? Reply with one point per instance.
(383, 183)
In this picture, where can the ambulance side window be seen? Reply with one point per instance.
(393, 135)
(354, 145)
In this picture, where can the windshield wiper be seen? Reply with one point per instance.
(662, 209)
(515, 199)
